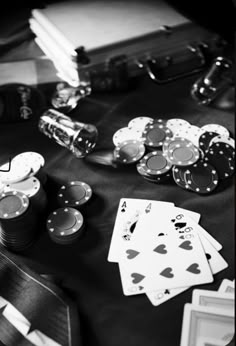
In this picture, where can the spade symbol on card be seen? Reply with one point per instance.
(186, 245)
(137, 277)
(179, 225)
(208, 256)
(132, 227)
(194, 268)
(167, 273)
(123, 207)
(131, 253)
(161, 249)
(181, 237)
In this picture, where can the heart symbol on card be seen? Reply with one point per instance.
(131, 253)
(167, 272)
(137, 277)
(194, 269)
(179, 225)
(186, 245)
(160, 249)
(181, 237)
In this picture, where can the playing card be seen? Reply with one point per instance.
(16, 318)
(206, 322)
(227, 286)
(213, 299)
(204, 341)
(174, 260)
(129, 211)
(40, 339)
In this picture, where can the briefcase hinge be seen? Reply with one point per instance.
(184, 63)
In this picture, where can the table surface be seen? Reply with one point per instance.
(108, 318)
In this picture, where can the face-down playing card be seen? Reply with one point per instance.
(175, 260)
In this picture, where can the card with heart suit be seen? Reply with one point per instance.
(129, 211)
(174, 260)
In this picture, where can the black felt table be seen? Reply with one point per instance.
(108, 318)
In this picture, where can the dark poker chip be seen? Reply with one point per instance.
(221, 156)
(154, 163)
(158, 179)
(74, 194)
(155, 134)
(65, 225)
(202, 177)
(13, 204)
(205, 139)
(179, 176)
(129, 152)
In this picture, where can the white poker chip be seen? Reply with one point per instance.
(32, 159)
(14, 172)
(221, 130)
(176, 124)
(28, 187)
(125, 134)
(223, 139)
(192, 133)
(139, 123)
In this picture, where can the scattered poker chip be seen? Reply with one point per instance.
(30, 158)
(139, 123)
(154, 163)
(13, 204)
(201, 177)
(125, 134)
(179, 176)
(14, 172)
(74, 194)
(221, 156)
(129, 152)
(183, 153)
(223, 139)
(28, 187)
(219, 129)
(205, 140)
(177, 124)
(155, 134)
(65, 225)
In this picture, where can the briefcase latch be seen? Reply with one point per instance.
(183, 63)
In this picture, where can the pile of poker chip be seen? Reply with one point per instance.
(196, 158)
(66, 224)
(22, 199)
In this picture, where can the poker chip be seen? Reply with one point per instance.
(158, 179)
(155, 134)
(179, 177)
(221, 156)
(201, 177)
(129, 152)
(124, 134)
(65, 225)
(14, 172)
(176, 124)
(192, 133)
(139, 123)
(182, 153)
(13, 204)
(223, 139)
(219, 129)
(32, 159)
(205, 140)
(74, 194)
(154, 164)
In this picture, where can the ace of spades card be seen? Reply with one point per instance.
(129, 211)
(176, 260)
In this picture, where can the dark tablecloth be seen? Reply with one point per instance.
(107, 317)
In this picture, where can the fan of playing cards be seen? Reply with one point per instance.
(209, 319)
(161, 249)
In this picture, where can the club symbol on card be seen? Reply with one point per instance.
(167, 273)
(137, 277)
(194, 268)
(167, 292)
(131, 253)
(161, 249)
(186, 245)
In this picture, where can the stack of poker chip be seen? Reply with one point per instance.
(25, 174)
(17, 221)
(196, 158)
(66, 224)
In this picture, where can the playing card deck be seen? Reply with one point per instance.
(209, 319)
(161, 249)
